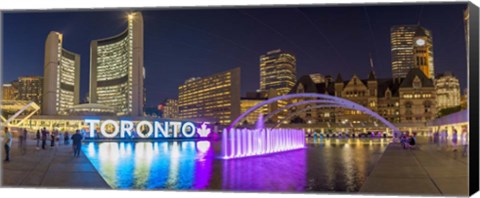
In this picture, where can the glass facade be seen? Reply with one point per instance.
(114, 62)
(66, 82)
(115, 69)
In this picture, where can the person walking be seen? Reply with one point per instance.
(7, 142)
(52, 138)
(66, 137)
(464, 141)
(454, 140)
(23, 140)
(38, 137)
(77, 143)
(44, 137)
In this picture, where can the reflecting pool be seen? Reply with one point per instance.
(325, 165)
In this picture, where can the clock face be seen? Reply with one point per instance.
(420, 42)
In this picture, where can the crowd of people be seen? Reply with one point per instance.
(408, 140)
(41, 137)
(439, 138)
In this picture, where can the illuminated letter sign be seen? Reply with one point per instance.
(104, 132)
(126, 127)
(147, 129)
(146, 124)
(91, 128)
(192, 128)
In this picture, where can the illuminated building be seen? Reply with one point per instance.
(247, 103)
(317, 78)
(171, 109)
(29, 88)
(417, 98)
(91, 109)
(448, 91)
(215, 97)
(407, 100)
(8, 92)
(61, 88)
(277, 71)
(423, 52)
(117, 70)
(407, 43)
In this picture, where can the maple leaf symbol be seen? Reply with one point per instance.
(204, 131)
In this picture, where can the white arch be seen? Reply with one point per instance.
(342, 102)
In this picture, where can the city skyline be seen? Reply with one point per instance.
(205, 45)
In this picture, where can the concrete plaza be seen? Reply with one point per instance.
(426, 170)
(53, 167)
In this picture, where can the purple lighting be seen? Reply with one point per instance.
(238, 143)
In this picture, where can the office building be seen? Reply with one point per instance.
(277, 71)
(215, 97)
(252, 99)
(407, 43)
(29, 88)
(170, 110)
(117, 70)
(8, 92)
(61, 88)
(448, 91)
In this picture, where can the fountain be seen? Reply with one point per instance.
(239, 143)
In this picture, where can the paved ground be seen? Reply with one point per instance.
(53, 167)
(426, 170)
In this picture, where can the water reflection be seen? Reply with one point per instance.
(153, 165)
(277, 172)
(325, 165)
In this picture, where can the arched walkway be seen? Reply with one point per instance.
(332, 99)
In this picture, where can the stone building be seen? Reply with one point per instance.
(401, 100)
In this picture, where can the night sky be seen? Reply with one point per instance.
(184, 43)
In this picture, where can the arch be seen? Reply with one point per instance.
(268, 116)
(303, 110)
(341, 101)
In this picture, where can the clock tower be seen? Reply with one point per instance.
(423, 52)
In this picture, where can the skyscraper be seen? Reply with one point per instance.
(407, 43)
(61, 88)
(277, 71)
(215, 97)
(117, 71)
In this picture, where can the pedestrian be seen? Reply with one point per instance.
(66, 137)
(7, 142)
(52, 138)
(20, 140)
(454, 140)
(38, 137)
(24, 138)
(44, 137)
(464, 141)
(77, 143)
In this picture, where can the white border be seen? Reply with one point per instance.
(23, 5)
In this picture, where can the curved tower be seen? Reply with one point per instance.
(116, 69)
(61, 87)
